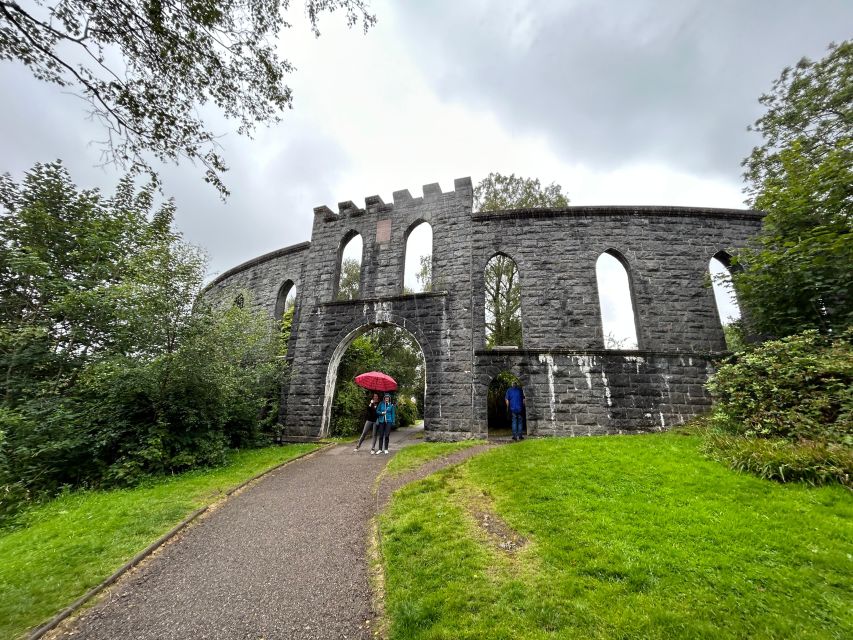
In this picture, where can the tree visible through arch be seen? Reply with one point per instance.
(349, 282)
(618, 320)
(503, 302)
(417, 271)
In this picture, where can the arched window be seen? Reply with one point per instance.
(417, 273)
(285, 300)
(618, 321)
(724, 291)
(503, 302)
(349, 280)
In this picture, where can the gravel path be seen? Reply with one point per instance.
(284, 559)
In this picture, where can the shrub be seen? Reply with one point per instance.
(407, 412)
(813, 462)
(797, 388)
(348, 409)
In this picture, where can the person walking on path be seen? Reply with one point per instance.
(515, 404)
(369, 422)
(386, 415)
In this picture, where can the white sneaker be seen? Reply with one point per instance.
(356, 449)
(372, 452)
(386, 451)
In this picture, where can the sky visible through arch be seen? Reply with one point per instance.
(627, 102)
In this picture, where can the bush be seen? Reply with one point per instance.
(813, 462)
(784, 410)
(348, 409)
(797, 388)
(407, 412)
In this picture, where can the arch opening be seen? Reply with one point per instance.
(615, 297)
(285, 300)
(348, 282)
(499, 417)
(725, 296)
(502, 284)
(384, 347)
(417, 264)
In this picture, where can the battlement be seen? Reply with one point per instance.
(462, 187)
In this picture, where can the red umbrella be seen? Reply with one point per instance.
(376, 381)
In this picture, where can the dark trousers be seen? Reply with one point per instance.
(383, 432)
(517, 425)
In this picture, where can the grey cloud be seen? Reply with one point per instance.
(276, 179)
(612, 83)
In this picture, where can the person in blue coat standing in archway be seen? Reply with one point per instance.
(515, 404)
(386, 415)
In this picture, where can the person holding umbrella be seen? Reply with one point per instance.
(369, 422)
(386, 415)
(386, 412)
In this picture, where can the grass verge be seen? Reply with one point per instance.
(414, 456)
(65, 547)
(617, 537)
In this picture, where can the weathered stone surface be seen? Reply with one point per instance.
(573, 385)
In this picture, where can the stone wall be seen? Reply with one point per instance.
(573, 385)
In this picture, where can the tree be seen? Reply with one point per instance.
(497, 192)
(424, 274)
(350, 283)
(110, 365)
(146, 67)
(503, 302)
(810, 104)
(503, 288)
(796, 275)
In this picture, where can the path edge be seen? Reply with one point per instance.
(75, 606)
(381, 502)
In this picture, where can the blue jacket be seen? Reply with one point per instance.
(516, 399)
(386, 413)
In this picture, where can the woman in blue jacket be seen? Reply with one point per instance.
(386, 415)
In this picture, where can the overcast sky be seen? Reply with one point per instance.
(620, 102)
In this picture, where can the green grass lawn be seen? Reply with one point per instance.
(70, 544)
(415, 455)
(626, 537)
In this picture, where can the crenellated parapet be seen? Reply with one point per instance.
(462, 188)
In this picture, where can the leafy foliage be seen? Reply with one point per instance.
(407, 411)
(810, 104)
(111, 369)
(816, 463)
(503, 302)
(498, 192)
(424, 274)
(350, 283)
(147, 67)
(796, 276)
(800, 387)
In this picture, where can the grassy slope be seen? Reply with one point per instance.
(415, 455)
(628, 537)
(72, 543)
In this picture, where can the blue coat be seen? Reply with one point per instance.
(515, 396)
(386, 413)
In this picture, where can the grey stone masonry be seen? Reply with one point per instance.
(573, 385)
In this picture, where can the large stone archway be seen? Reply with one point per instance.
(574, 385)
(337, 353)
